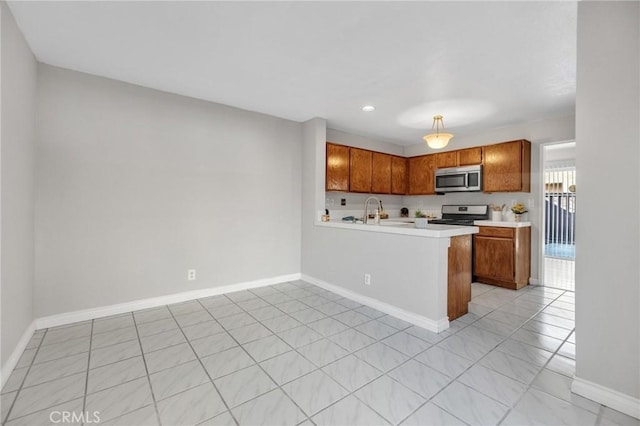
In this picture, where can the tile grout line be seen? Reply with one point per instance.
(454, 378)
(203, 367)
(530, 385)
(509, 408)
(308, 417)
(350, 353)
(385, 373)
(349, 392)
(86, 381)
(542, 367)
(24, 379)
(531, 318)
(312, 363)
(380, 340)
(146, 369)
(327, 337)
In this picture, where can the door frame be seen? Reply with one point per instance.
(541, 209)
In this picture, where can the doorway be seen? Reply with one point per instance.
(559, 215)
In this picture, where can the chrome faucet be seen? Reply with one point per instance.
(366, 208)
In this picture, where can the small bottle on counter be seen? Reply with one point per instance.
(326, 217)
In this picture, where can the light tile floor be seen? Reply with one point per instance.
(294, 353)
(559, 273)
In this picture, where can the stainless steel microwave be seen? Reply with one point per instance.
(459, 179)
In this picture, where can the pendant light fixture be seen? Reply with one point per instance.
(437, 140)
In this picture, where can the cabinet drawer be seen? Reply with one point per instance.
(495, 231)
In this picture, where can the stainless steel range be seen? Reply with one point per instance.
(462, 214)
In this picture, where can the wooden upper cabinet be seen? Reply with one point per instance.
(380, 173)
(337, 173)
(421, 175)
(507, 167)
(360, 170)
(446, 159)
(470, 156)
(462, 157)
(398, 175)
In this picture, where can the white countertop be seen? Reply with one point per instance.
(397, 227)
(502, 224)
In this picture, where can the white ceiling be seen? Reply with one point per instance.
(480, 64)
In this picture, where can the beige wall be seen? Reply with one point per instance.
(136, 186)
(17, 141)
(607, 150)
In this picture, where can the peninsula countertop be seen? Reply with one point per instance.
(391, 226)
(502, 224)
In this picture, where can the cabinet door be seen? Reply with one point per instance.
(380, 173)
(494, 258)
(459, 276)
(337, 174)
(447, 159)
(421, 171)
(503, 167)
(470, 156)
(360, 170)
(398, 175)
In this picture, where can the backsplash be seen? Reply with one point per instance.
(435, 202)
(430, 204)
(355, 204)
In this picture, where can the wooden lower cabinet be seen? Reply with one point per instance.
(459, 276)
(502, 256)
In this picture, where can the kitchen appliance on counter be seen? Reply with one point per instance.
(462, 214)
(459, 179)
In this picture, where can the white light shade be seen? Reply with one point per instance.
(437, 140)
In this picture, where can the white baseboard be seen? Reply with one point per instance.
(122, 308)
(534, 281)
(432, 325)
(611, 398)
(11, 363)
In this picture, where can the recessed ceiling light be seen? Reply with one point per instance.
(368, 108)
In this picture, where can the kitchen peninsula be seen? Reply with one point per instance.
(422, 276)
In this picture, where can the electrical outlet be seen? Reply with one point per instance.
(191, 274)
(367, 279)
(343, 201)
